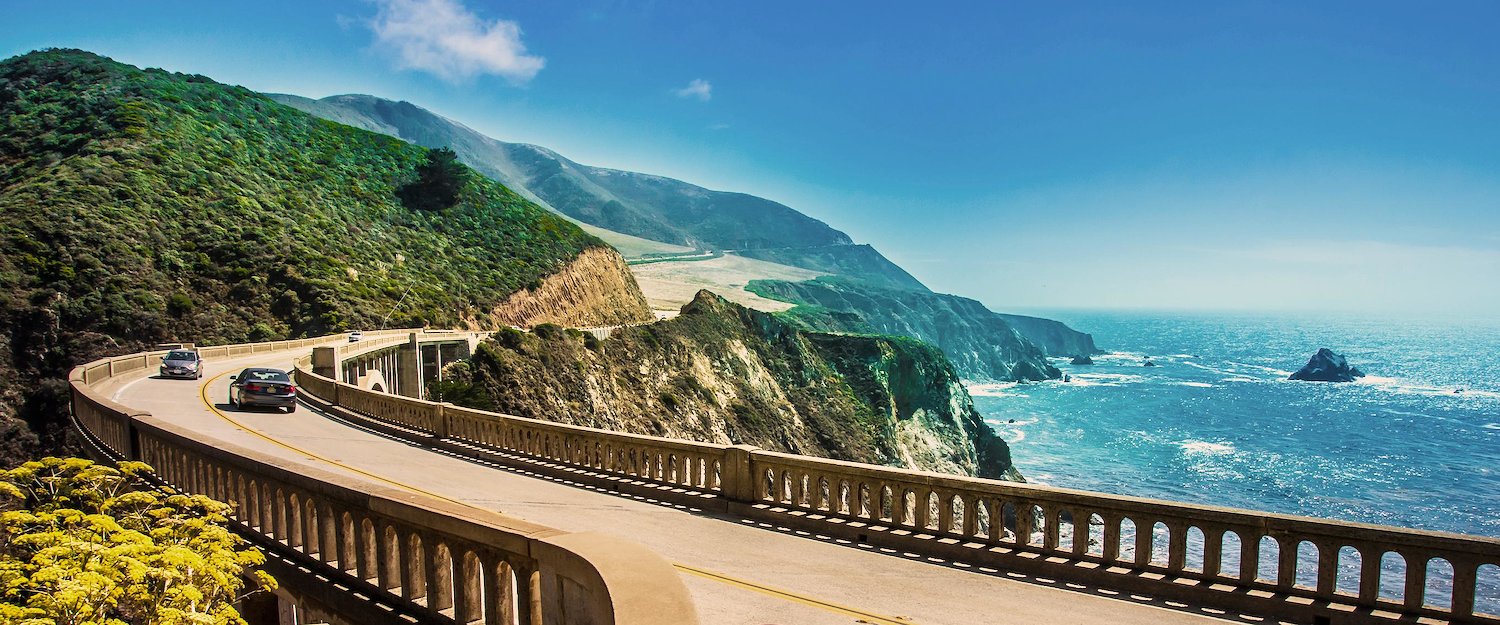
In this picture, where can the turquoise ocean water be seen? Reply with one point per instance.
(1415, 444)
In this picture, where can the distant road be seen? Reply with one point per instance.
(739, 573)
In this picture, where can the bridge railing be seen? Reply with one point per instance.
(449, 562)
(1238, 559)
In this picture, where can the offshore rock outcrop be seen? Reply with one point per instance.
(594, 289)
(1326, 366)
(723, 373)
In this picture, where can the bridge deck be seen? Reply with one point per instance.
(738, 573)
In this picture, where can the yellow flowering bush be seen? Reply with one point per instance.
(83, 543)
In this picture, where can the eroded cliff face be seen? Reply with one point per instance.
(595, 289)
(726, 374)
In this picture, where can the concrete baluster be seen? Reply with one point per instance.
(366, 549)
(1111, 547)
(1465, 577)
(438, 566)
(1416, 579)
(1050, 516)
(924, 508)
(468, 594)
(413, 569)
(1369, 573)
(390, 557)
(1025, 521)
(328, 537)
(499, 591)
(1249, 555)
(1081, 531)
(1328, 568)
(1213, 550)
(945, 512)
(346, 536)
(1145, 539)
(1176, 546)
(1286, 562)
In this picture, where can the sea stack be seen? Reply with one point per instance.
(1326, 366)
(1082, 360)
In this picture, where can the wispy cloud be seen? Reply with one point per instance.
(699, 89)
(446, 39)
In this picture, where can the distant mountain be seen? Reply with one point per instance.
(981, 344)
(652, 207)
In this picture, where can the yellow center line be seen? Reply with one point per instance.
(692, 570)
(865, 617)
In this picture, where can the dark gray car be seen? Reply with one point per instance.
(263, 387)
(181, 363)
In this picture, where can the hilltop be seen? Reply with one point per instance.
(138, 206)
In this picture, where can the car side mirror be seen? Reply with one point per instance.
(233, 377)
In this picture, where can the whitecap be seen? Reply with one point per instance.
(1206, 448)
(1194, 384)
(1492, 426)
(1281, 372)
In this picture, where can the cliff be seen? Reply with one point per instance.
(1054, 337)
(595, 289)
(723, 373)
(980, 343)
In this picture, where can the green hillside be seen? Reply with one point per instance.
(138, 206)
(655, 208)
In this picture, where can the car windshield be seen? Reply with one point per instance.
(182, 356)
(266, 375)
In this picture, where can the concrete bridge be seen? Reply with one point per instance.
(381, 508)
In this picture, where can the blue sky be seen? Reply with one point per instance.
(1255, 155)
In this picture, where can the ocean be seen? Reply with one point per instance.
(1414, 444)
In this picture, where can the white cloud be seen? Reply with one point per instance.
(699, 88)
(445, 38)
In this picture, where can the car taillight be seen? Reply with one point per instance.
(255, 388)
(291, 389)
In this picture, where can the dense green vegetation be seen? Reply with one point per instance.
(82, 543)
(138, 206)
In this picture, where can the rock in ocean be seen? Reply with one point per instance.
(1326, 366)
(1082, 360)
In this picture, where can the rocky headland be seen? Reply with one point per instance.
(723, 373)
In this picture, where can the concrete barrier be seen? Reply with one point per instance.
(441, 561)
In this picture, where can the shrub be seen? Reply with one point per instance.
(85, 543)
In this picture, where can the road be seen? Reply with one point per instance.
(738, 572)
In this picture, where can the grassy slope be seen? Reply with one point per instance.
(139, 205)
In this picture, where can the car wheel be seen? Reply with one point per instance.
(232, 401)
(291, 409)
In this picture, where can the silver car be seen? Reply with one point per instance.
(182, 363)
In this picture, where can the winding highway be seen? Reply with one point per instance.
(739, 572)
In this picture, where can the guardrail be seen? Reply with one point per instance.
(1263, 563)
(445, 562)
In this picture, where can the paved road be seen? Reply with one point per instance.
(739, 573)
